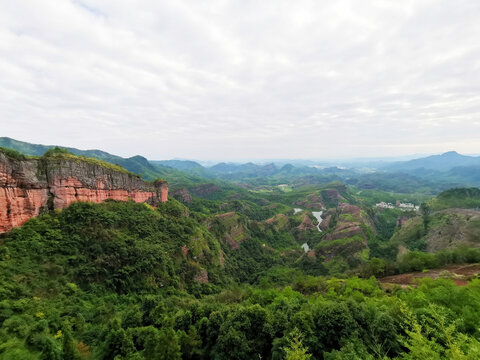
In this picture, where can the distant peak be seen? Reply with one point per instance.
(450, 153)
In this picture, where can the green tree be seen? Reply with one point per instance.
(425, 210)
(50, 350)
(69, 350)
(420, 346)
(295, 349)
(190, 343)
(162, 345)
(117, 343)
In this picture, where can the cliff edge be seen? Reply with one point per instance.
(54, 181)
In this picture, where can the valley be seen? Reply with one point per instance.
(113, 264)
(239, 180)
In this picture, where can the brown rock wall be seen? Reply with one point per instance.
(18, 205)
(27, 185)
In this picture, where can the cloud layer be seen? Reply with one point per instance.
(242, 79)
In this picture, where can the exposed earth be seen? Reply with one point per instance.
(460, 274)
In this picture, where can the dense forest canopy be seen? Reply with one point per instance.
(224, 270)
(239, 180)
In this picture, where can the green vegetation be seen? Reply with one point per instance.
(411, 234)
(425, 210)
(136, 164)
(224, 275)
(342, 241)
(23, 147)
(113, 280)
(419, 261)
(370, 197)
(66, 296)
(465, 198)
(12, 154)
(347, 217)
(438, 230)
(63, 154)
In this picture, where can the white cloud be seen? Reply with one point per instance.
(238, 79)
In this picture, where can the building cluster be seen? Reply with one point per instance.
(398, 204)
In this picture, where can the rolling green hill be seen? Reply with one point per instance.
(464, 198)
(123, 281)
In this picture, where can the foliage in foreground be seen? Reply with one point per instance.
(111, 281)
(125, 281)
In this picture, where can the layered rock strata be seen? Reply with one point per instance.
(29, 185)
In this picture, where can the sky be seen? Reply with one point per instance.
(242, 79)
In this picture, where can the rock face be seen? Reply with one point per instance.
(182, 195)
(448, 229)
(347, 233)
(29, 185)
(231, 227)
(205, 190)
(22, 191)
(306, 223)
(312, 201)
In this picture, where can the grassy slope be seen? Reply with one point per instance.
(454, 222)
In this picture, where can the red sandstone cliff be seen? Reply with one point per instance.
(30, 185)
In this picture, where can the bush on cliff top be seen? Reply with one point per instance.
(13, 154)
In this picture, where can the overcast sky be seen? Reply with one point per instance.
(242, 79)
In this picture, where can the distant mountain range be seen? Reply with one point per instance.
(444, 162)
(234, 171)
(450, 166)
(430, 174)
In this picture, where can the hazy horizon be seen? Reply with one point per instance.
(313, 161)
(243, 80)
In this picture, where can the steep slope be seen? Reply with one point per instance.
(137, 164)
(465, 198)
(348, 230)
(453, 221)
(114, 246)
(450, 228)
(30, 185)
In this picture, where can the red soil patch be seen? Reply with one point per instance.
(349, 209)
(225, 214)
(460, 274)
(306, 224)
(276, 217)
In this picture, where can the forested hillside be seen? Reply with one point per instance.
(231, 271)
(122, 280)
(430, 175)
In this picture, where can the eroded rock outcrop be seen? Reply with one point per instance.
(183, 196)
(347, 233)
(23, 191)
(27, 186)
(231, 227)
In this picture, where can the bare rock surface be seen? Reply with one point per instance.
(27, 186)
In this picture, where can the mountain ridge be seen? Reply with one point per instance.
(443, 162)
